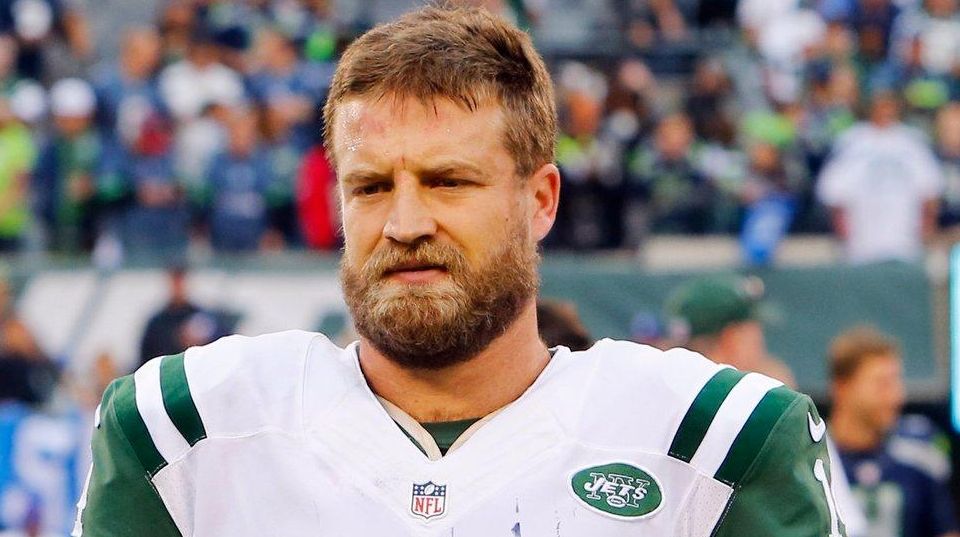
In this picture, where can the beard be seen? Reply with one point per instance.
(436, 325)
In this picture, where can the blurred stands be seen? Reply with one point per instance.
(678, 116)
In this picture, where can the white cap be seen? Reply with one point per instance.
(72, 97)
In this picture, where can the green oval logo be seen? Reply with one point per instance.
(618, 489)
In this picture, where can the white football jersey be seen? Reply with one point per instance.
(280, 435)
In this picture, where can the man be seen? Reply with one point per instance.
(179, 324)
(450, 416)
(896, 469)
(882, 167)
(720, 318)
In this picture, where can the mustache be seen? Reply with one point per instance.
(395, 257)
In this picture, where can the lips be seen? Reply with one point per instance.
(413, 267)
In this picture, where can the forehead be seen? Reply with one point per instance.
(372, 131)
(874, 365)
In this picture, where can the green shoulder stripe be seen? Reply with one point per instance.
(177, 399)
(700, 415)
(133, 427)
(752, 437)
(120, 500)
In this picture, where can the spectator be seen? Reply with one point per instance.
(126, 91)
(769, 197)
(721, 319)
(709, 103)
(665, 184)
(288, 87)
(936, 29)
(179, 324)
(8, 65)
(53, 36)
(177, 25)
(188, 86)
(240, 178)
(894, 464)
(656, 22)
(157, 221)
(316, 196)
(948, 151)
(26, 374)
(17, 156)
(882, 167)
(591, 161)
(71, 174)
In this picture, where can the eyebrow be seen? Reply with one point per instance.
(364, 176)
(451, 168)
(446, 169)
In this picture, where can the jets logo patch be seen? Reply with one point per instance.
(618, 490)
(429, 500)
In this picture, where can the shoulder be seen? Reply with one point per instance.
(235, 386)
(674, 402)
(919, 444)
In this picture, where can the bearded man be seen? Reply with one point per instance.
(449, 416)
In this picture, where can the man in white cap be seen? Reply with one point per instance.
(68, 166)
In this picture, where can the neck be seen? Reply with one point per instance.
(851, 434)
(492, 379)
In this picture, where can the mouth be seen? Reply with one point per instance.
(416, 272)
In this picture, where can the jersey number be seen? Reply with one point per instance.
(820, 472)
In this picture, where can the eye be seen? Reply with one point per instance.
(370, 189)
(447, 182)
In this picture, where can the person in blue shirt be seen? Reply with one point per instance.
(286, 85)
(126, 90)
(239, 178)
(897, 465)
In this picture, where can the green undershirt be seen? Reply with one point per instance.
(445, 433)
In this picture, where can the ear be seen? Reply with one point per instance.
(544, 193)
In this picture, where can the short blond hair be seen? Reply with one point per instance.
(466, 55)
(853, 347)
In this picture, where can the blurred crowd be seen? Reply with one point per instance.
(754, 119)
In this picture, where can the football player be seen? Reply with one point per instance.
(450, 416)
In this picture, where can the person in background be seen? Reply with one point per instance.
(882, 167)
(898, 468)
(559, 324)
(53, 36)
(721, 318)
(948, 151)
(17, 155)
(190, 85)
(126, 91)
(663, 181)
(179, 324)
(316, 196)
(591, 160)
(71, 176)
(239, 179)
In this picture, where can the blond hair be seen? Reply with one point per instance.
(852, 348)
(466, 55)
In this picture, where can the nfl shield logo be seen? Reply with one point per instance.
(429, 500)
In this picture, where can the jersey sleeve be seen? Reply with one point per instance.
(785, 488)
(119, 499)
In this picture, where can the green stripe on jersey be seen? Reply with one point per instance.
(748, 443)
(133, 427)
(177, 399)
(700, 415)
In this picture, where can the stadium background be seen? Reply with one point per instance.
(185, 135)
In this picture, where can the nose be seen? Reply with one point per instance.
(410, 218)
